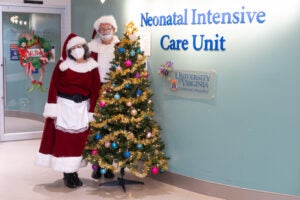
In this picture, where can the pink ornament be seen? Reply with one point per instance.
(128, 63)
(149, 134)
(129, 104)
(102, 104)
(94, 152)
(146, 75)
(107, 144)
(154, 170)
(119, 68)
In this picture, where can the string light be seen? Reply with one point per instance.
(102, 1)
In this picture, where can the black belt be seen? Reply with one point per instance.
(77, 98)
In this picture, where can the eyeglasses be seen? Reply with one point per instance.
(105, 30)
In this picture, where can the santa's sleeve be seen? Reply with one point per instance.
(50, 109)
(94, 92)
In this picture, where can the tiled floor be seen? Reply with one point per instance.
(20, 179)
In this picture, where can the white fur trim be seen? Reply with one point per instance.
(78, 67)
(50, 110)
(61, 164)
(109, 19)
(91, 117)
(75, 41)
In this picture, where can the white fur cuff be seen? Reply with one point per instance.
(50, 110)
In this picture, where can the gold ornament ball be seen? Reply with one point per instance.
(133, 112)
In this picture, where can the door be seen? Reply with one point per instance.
(31, 45)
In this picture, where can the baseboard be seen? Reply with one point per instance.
(218, 190)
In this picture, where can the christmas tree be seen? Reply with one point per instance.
(124, 133)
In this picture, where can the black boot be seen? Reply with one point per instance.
(69, 180)
(77, 181)
(109, 174)
(96, 174)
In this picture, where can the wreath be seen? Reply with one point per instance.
(34, 54)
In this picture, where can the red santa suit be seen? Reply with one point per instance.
(73, 92)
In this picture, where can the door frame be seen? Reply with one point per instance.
(64, 11)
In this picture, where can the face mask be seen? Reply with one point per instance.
(106, 37)
(77, 53)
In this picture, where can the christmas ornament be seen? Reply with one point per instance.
(107, 144)
(121, 50)
(132, 53)
(146, 75)
(129, 104)
(107, 89)
(161, 171)
(127, 86)
(154, 170)
(137, 75)
(102, 104)
(98, 136)
(139, 146)
(139, 93)
(103, 170)
(133, 112)
(138, 51)
(127, 154)
(95, 167)
(119, 68)
(94, 152)
(149, 134)
(117, 96)
(128, 63)
(114, 145)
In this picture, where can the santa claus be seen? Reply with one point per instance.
(73, 92)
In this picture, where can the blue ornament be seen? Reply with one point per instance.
(121, 50)
(127, 86)
(161, 171)
(132, 53)
(138, 51)
(114, 145)
(139, 92)
(139, 146)
(103, 170)
(115, 66)
(117, 96)
(98, 136)
(127, 154)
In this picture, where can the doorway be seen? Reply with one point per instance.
(30, 48)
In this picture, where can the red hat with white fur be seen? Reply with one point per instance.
(71, 41)
(107, 19)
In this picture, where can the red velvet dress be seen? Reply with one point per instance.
(66, 125)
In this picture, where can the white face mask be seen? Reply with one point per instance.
(106, 37)
(77, 53)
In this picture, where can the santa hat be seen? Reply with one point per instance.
(108, 19)
(71, 41)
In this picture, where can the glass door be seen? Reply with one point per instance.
(31, 45)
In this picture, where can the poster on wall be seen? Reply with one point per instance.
(191, 84)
